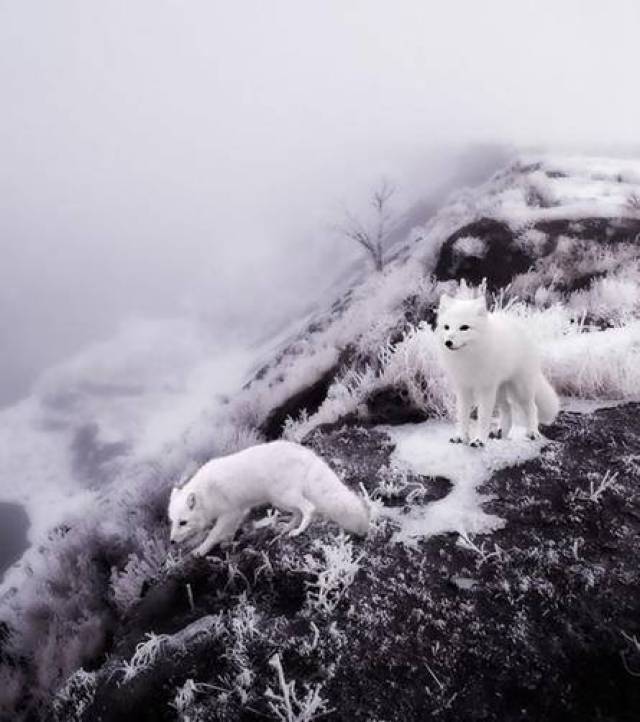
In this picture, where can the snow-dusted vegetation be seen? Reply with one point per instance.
(491, 582)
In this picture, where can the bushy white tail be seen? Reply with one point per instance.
(547, 401)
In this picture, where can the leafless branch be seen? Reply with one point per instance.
(372, 235)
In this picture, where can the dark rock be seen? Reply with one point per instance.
(607, 231)
(501, 261)
(393, 405)
(308, 398)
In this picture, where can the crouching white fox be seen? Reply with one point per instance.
(286, 475)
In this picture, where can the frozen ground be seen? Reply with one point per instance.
(425, 450)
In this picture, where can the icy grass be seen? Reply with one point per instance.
(332, 568)
(287, 706)
(425, 449)
(411, 365)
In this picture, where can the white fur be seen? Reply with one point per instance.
(281, 473)
(491, 359)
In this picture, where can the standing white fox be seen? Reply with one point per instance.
(491, 359)
(281, 473)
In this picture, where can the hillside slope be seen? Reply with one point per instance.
(494, 585)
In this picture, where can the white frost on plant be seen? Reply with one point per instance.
(141, 566)
(185, 699)
(333, 565)
(604, 364)
(145, 656)
(410, 364)
(155, 645)
(614, 297)
(75, 696)
(532, 241)
(287, 706)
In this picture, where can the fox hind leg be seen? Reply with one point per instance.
(525, 394)
(506, 417)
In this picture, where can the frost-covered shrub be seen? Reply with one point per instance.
(333, 566)
(142, 566)
(532, 241)
(613, 297)
(286, 704)
(184, 701)
(145, 656)
(632, 203)
(75, 696)
(603, 364)
(411, 365)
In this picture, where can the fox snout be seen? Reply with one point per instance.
(448, 343)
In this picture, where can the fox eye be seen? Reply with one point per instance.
(446, 328)
(182, 523)
(464, 327)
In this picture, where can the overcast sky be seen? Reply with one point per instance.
(162, 154)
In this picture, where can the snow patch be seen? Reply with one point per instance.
(470, 246)
(425, 449)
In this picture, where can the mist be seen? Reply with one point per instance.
(167, 157)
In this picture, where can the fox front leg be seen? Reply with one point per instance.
(464, 404)
(224, 528)
(307, 510)
(486, 405)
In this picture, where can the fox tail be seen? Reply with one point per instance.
(547, 401)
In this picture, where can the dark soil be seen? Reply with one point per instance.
(308, 398)
(502, 260)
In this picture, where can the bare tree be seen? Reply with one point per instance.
(372, 233)
(633, 203)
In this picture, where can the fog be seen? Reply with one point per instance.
(161, 157)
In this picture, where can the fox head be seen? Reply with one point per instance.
(461, 322)
(186, 515)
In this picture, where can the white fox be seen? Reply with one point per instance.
(281, 473)
(491, 359)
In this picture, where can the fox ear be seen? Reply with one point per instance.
(191, 501)
(445, 302)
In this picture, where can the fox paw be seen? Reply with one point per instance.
(534, 435)
(495, 434)
(477, 444)
(456, 439)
